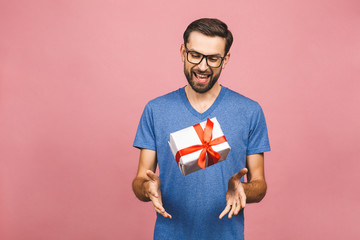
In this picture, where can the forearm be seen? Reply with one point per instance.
(139, 189)
(255, 190)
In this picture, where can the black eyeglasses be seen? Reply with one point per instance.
(213, 61)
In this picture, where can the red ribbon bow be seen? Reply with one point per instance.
(205, 137)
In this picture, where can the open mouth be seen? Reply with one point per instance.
(202, 78)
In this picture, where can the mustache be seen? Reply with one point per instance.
(201, 72)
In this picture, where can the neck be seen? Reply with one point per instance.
(202, 101)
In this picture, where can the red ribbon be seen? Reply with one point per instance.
(205, 137)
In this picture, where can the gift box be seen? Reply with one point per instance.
(199, 146)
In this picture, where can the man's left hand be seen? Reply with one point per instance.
(235, 195)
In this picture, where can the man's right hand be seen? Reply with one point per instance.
(152, 191)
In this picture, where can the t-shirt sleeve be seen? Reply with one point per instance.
(145, 136)
(258, 141)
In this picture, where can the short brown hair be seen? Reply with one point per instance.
(210, 27)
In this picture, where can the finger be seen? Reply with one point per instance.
(243, 202)
(233, 206)
(164, 214)
(160, 212)
(167, 215)
(152, 175)
(160, 209)
(238, 207)
(153, 191)
(150, 189)
(242, 198)
(225, 211)
(157, 204)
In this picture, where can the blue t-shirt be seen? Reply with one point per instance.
(195, 201)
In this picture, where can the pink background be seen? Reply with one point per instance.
(75, 76)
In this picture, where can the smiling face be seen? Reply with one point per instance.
(200, 76)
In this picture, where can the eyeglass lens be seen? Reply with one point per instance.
(196, 58)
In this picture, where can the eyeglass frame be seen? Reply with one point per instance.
(203, 56)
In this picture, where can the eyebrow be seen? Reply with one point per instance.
(213, 55)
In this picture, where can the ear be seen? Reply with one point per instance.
(226, 60)
(182, 52)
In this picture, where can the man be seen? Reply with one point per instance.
(193, 206)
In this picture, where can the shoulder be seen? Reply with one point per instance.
(165, 100)
(238, 100)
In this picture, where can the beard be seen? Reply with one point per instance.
(198, 86)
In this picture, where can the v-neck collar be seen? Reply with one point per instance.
(205, 114)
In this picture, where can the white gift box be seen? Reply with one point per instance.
(188, 137)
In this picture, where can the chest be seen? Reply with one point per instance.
(235, 127)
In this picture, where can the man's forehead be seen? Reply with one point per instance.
(206, 44)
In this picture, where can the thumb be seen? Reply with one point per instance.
(152, 175)
(241, 173)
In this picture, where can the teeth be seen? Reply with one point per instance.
(202, 76)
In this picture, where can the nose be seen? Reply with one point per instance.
(203, 65)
